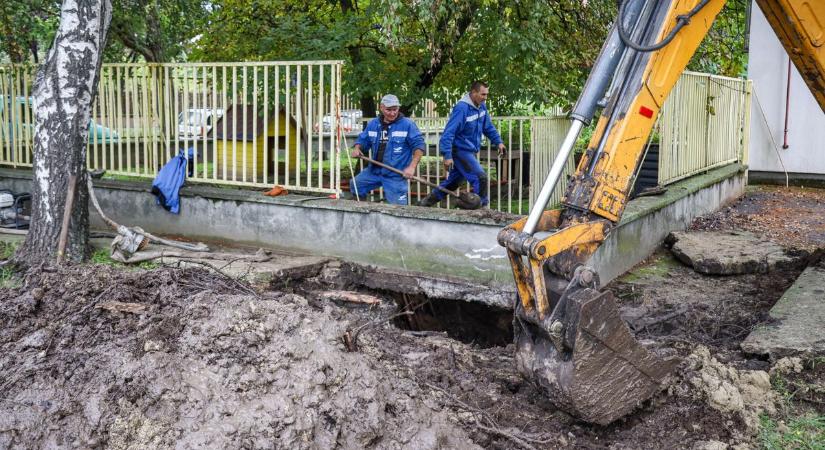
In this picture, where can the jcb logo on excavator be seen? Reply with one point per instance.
(610, 204)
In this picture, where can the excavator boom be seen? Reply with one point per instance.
(570, 339)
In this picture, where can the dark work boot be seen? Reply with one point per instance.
(430, 200)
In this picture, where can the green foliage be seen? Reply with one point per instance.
(7, 249)
(9, 279)
(528, 50)
(152, 30)
(723, 51)
(155, 30)
(103, 256)
(584, 138)
(806, 432)
(26, 27)
(533, 53)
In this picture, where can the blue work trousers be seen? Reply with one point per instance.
(395, 186)
(466, 167)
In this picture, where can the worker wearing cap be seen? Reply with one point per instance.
(394, 140)
(461, 141)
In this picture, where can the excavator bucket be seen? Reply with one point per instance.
(584, 357)
(575, 346)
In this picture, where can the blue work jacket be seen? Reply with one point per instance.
(464, 128)
(403, 138)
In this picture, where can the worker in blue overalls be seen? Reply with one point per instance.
(461, 142)
(394, 140)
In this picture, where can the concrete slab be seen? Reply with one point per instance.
(443, 287)
(280, 267)
(731, 253)
(796, 321)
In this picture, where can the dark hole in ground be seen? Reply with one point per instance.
(468, 322)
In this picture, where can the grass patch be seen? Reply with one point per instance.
(657, 268)
(796, 426)
(120, 177)
(7, 249)
(807, 432)
(8, 278)
(513, 205)
(103, 256)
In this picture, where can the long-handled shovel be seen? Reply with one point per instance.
(466, 199)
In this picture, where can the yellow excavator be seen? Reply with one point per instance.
(570, 339)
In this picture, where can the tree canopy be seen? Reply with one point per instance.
(26, 26)
(724, 50)
(148, 30)
(156, 30)
(530, 51)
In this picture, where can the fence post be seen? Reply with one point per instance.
(337, 126)
(707, 121)
(534, 155)
(746, 126)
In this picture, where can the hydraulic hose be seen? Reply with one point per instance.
(681, 21)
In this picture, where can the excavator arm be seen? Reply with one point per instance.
(569, 337)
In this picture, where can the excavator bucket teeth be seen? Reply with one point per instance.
(604, 373)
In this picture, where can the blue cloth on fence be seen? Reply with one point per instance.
(169, 181)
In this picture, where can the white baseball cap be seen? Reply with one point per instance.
(390, 100)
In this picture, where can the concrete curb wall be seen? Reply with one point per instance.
(436, 242)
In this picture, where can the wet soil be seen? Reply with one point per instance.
(96, 356)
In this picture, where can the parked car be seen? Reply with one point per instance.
(24, 119)
(350, 121)
(197, 122)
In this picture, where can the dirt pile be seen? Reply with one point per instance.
(199, 367)
(728, 390)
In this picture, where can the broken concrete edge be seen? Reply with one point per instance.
(730, 252)
(246, 194)
(400, 282)
(443, 287)
(643, 206)
(794, 324)
(370, 277)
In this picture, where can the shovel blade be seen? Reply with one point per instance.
(469, 200)
(604, 375)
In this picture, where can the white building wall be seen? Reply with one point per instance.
(768, 68)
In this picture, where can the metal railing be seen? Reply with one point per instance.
(251, 124)
(704, 124)
(279, 123)
(508, 181)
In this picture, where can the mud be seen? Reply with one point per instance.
(202, 367)
(106, 357)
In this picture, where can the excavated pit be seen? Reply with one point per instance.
(468, 321)
(472, 323)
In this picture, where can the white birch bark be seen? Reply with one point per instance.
(64, 89)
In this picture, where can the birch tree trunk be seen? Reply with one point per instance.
(64, 89)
